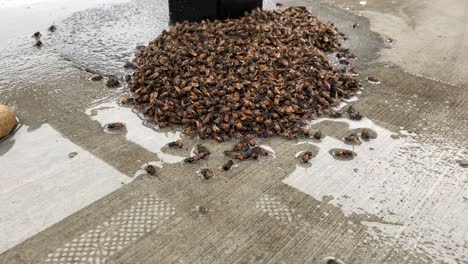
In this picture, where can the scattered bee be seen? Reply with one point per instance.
(151, 170)
(96, 77)
(306, 156)
(227, 166)
(52, 28)
(201, 153)
(352, 139)
(318, 135)
(207, 174)
(373, 80)
(343, 153)
(112, 82)
(365, 135)
(37, 35)
(179, 144)
(130, 65)
(128, 100)
(115, 126)
(353, 113)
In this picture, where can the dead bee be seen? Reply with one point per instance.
(96, 77)
(115, 126)
(202, 149)
(353, 113)
(151, 170)
(37, 35)
(344, 62)
(52, 28)
(260, 151)
(240, 155)
(305, 131)
(306, 156)
(201, 153)
(178, 143)
(227, 166)
(130, 65)
(207, 174)
(352, 139)
(318, 135)
(128, 78)
(344, 153)
(241, 146)
(195, 158)
(334, 114)
(112, 82)
(127, 100)
(365, 135)
(373, 80)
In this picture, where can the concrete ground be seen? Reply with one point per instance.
(73, 193)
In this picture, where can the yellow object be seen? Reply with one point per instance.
(7, 120)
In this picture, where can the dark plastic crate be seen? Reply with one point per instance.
(193, 10)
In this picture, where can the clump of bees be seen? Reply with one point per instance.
(263, 75)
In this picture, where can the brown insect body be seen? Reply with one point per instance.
(115, 126)
(306, 156)
(207, 174)
(204, 78)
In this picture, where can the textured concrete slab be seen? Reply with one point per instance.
(45, 178)
(402, 199)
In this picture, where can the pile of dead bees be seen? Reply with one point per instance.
(264, 74)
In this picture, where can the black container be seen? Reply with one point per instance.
(236, 8)
(197, 10)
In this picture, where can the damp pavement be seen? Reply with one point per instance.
(72, 192)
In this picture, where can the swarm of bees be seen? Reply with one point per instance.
(264, 74)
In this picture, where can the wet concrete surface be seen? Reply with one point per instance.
(402, 199)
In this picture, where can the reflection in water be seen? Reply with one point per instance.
(411, 181)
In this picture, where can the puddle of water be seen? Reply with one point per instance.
(411, 181)
(21, 18)
(138, 133)
(42, 185)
